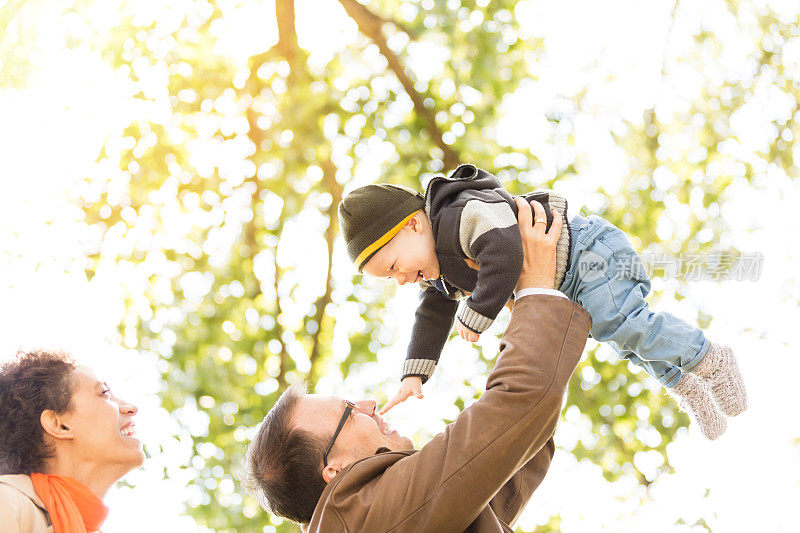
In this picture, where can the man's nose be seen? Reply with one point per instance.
(368, 407)
(127, 408)
(400, 278)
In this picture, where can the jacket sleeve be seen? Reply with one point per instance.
(453, 478)
(489, 234)
(432, 323)
(509, 503)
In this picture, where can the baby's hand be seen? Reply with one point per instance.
(466, 333)
(410, 386)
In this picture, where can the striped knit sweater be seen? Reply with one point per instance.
(473, 217)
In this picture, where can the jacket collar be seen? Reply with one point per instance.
(24, 485)
(354, 476)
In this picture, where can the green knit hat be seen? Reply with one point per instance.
(371, 215)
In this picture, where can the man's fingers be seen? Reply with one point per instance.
(524, 214)
(527, 217)
(539, 214)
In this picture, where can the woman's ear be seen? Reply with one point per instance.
(55, 425)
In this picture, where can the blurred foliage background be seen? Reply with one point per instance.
(219, 195)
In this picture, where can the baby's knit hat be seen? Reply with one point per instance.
(371, 215)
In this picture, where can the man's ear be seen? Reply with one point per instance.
(331, 471)
(55, 425)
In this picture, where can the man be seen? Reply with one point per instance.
(336, 465)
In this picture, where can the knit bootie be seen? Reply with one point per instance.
(720, 375)
(693, 399)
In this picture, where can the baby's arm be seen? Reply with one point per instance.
(489, 235)
(432, 323)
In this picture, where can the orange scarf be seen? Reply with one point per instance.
(72, 507)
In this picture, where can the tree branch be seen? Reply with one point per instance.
(287, 33)
(332, 187)
(371, 26)
(288, 48)
(399, 25)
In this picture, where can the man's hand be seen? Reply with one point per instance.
(538, 247)
(410, 386)
(466, 333)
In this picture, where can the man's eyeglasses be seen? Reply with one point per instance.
(347, 410)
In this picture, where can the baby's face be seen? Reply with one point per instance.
(409, 257)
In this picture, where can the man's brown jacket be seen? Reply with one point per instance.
(480, 472)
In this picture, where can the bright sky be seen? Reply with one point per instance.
(73, 102)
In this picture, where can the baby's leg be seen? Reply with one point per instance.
(612, 285)
(622, 317)
(666, 374)
(613, 289)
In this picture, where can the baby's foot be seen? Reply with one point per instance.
(720, 374)
(693, 399)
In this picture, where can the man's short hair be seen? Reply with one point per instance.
(284, 464)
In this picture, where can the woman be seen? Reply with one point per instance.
(65, 439)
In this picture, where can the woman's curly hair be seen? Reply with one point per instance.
(33, 382)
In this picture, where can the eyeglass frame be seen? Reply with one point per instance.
(347, 410)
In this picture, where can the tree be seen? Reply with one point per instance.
(233, 154)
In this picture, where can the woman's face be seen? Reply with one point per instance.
(102, 425)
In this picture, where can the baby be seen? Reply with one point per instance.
(460, 242)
